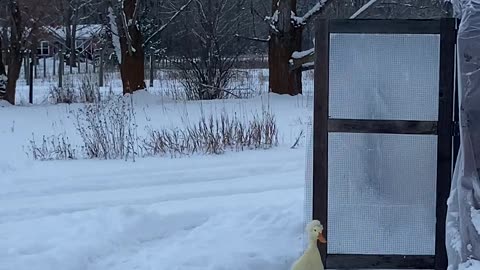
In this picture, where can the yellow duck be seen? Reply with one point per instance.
(311, 260)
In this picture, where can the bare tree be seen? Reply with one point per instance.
(129, 40)
(72, 13)
(286, 28)
(25, 21)
(15, 49)
(211, 46)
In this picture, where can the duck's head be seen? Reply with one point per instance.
(315, 231)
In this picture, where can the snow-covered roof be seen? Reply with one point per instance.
(84, 31)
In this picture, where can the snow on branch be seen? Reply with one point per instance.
(362, 9)
(300, 21)
(302, 59)
(273, 20)
(298, 55)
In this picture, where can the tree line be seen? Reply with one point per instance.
(209, 35)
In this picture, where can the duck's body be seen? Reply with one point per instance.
(311, 259)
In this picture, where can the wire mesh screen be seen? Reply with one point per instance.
(381, 194)
(384, 76)
(382, 187)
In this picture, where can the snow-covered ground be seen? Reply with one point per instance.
(237, 210)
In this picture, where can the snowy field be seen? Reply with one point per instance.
(237, 210)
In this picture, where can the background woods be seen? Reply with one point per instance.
(207, 37)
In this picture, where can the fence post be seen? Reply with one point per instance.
(26, 68)
(60, 68)
(30, 92)
(35, 64)
(86, 64)
(44, 66)
(54, 63)
(100, 73)
(94, 65)
(151, 69)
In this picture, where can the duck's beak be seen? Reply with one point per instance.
(321, 238)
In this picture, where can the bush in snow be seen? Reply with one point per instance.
(109, 131)
(51, 148)
(63, 95)
(108, 128)
(88, 91)
(214, 135)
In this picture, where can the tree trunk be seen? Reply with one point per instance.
(132, 62)
(2, 65)
(15, 56)
(3, 73)
(12, 77)
(70, 36)
(280, 49)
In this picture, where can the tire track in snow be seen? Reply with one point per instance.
(22, 208)
(120, 180)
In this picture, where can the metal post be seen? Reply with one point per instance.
(35, 63)
(151, 69)
(26, 69)
(100, 73)
(60, 69)
(30, 92)
(54, 64)
(44, 66)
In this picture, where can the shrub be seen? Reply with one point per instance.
(108, 129)
(213, 135)
(52, 148)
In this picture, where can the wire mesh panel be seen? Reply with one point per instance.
(384, 76)
(381, 194)
(382, 141)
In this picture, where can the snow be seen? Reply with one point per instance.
(298, 55)
(238, 210)
(273, 20)
(303, 20)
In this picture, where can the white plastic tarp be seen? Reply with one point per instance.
(463, 217)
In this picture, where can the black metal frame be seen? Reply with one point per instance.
(443, 129)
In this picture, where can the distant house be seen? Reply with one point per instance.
(87, 39)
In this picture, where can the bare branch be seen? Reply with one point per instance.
(135, 12)
(219, 89)
(253, 38)
(362, 9)
(167, 23)
(127, 32)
